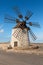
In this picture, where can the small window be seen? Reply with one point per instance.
(23, 31)
(15, 43)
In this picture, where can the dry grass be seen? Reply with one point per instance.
(3, 46)
(32, 48)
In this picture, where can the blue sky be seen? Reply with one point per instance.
(6, 7)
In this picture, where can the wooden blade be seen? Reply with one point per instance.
(17, 21)
(15, 34)
(9, 16)
(28, 14)
(17, 10)
(35, 24)
(9, 19)
(18, 34)
(32, 35)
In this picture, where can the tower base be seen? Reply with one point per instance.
(19, 38)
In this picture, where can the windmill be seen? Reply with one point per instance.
(20, 33)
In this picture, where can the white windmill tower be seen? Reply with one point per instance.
(20, 37)
(20, 33)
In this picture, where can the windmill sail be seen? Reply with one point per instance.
(20, 31)
(17, 34)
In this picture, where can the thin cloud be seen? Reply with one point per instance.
(1, 30)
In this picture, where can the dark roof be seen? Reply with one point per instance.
(21, 25)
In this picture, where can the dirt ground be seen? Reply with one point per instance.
(10, 58)
(4, 46)
(21, 57)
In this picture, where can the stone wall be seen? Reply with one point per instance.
(21, 36)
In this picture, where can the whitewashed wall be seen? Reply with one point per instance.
(21, 37)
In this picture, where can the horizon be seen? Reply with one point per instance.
(6, 7)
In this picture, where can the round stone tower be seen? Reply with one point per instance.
(20, 38)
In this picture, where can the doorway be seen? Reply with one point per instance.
(15, 44)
